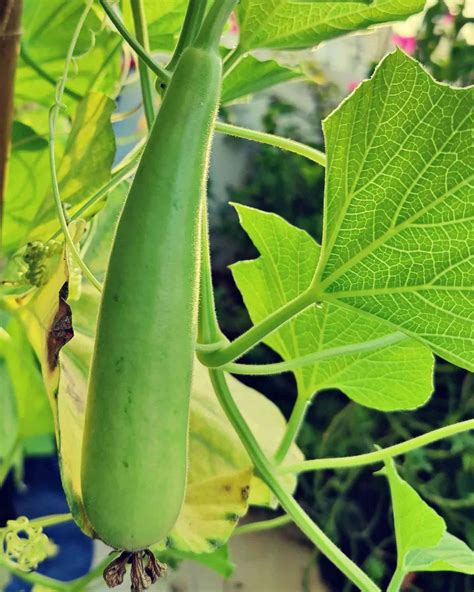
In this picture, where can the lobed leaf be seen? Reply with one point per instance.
(396, 374)
(399, 223)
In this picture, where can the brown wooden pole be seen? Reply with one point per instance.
(10, 19)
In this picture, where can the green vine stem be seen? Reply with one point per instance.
(262, 525)
(53, 119)
(128, 166)
(266, 471)
(272, 140)
(141, 32)
(397, 580)
(209, 332)
(232, 59)
(208, 347)
(292, 428)
(121, 173)
(214, 23)
(48, 583)
(35, 578)
(52, 520)
(308, 360)
(255, 334)
(369, 458)
(191, 25)
(162, 74)
(8, 459)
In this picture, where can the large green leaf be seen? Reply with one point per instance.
(85, 166)
(395, 374)
(252, 75)
(48, 26)
(289, 24)
(422, 541)
(399, 234)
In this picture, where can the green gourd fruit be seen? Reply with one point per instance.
(134, 455)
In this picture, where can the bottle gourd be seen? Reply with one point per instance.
(135, 439)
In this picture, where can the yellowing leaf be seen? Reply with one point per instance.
(211, 509)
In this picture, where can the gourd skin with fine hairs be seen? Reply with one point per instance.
(135, 438)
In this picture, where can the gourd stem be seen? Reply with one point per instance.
(308, 360)
(272, 140)
(262, 525)
(211, 30)
(53, 118)
(191, 25)
(258, 332)
(141, 32)
(359, 460)
(292, 428)
(134, 44)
